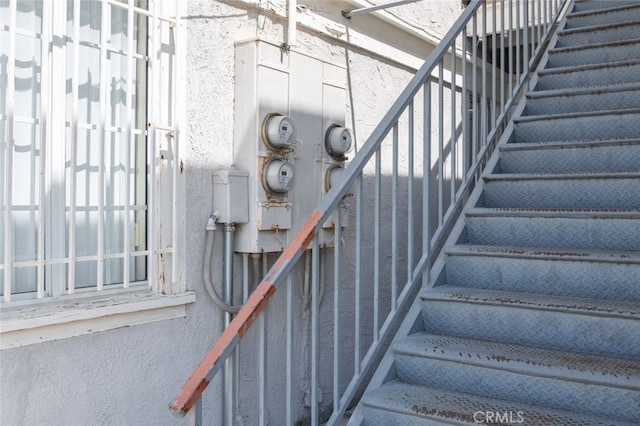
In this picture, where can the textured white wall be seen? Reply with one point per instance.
(128, 376)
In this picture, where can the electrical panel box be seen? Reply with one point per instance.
(231, 195)
(289, 134)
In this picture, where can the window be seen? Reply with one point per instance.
(88, 149)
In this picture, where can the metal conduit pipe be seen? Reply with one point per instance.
(306, 288)
(265, 264)
(208, 283)
(228, 229)
(255, 268)
(231, 370)
(245, 277)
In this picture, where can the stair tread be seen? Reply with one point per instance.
(567, 176)
(580, 91)
(544, 253)
(577, 305)
(554, 229)
(587, 67)
(596, 213)
(598, 27)
(459, 407)
(573, 115)
(579, 4)
(582, 367)
(529, 146)
(605, 10)
(600, 45)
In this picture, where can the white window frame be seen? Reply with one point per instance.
(61, 310)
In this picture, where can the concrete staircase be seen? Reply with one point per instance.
(535, 318)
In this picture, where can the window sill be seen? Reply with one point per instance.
(27, 325)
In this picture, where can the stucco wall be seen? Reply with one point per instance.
(129, 375)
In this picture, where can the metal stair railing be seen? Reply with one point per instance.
(443, 126)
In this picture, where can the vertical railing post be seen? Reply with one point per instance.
(474, 91)
(494, 68)
(426, 175)
(464, 100)
(358, 276)
(440, 142)
(376, 247)
(195, 414)
(394, 219)
(262, 355)
(315, 307)
(337, 255)
(519, 58)
(289, 354)
(483, 107)
(511, 49)
(454, 138)
(525, 42)
(410, 166)
(503, 33)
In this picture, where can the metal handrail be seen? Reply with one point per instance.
(475, 141)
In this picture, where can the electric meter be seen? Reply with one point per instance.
(278, 131)
(338, 142)
(332, 176)
(279, 176)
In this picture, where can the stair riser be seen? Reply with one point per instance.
(613, 126)
(582, 6)
(598, 159)
(561, 278)
(581, 38)
(550, 329)
(562, 233)
(623, 15)
(563, 194)
(598, 55)
(599, 77)
(595, 101)
(381, 417)
(496, 383)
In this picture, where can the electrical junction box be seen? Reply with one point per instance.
(289, 133)
(231, 195)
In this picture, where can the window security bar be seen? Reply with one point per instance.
(80, 170)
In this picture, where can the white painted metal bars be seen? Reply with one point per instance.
(61, 267)
(8, 155)
(43, 134)
(73, 140)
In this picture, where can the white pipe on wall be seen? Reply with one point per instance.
(291, 36)
(351, 13)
